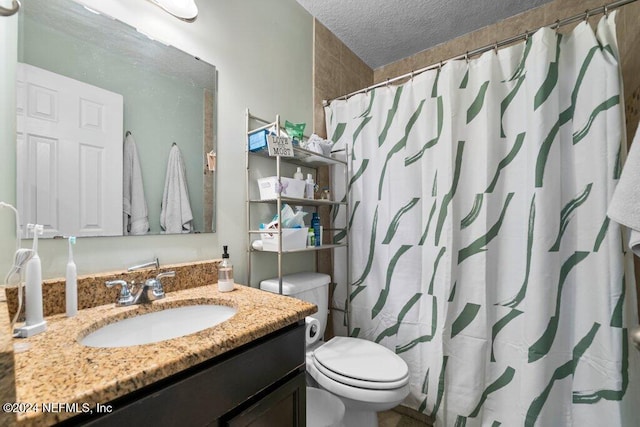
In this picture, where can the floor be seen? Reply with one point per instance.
(394, 418)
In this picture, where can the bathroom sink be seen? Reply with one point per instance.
(158, 326)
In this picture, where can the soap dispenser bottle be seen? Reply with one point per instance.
(225, 272)
(298, 174)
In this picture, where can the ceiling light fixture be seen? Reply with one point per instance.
(181, 9)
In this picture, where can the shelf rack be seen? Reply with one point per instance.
(304, 158)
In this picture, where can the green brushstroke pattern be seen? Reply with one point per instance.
(550, 81)
(393, 227)
(500, 324)
(565, 215)
(477, 104)
(505, 162)
(542, 346)
(358, 174)
(382, 299)
(399, 145)
(506, 102)
(465, 80)
(475, 211)
(358, 284)
(590, 397)
(469, 312)
(424, 338)
(436, 406)
(435, 269)
(604, 106)
(516, 300)
(440, 120)
(560, 373)
(520, 69)
(337, 134)
(390, 115)
(499, 383)
(479, 245)
(434, 187)
(392, 330)
(426, 229)
(452, 191)
(452, 294)
(616, 316)
(601, 234)
(563, 118)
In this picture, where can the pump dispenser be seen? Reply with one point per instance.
(35, 322)
(225, 272)
(298, 174)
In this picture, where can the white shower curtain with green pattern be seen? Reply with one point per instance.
(480, 250)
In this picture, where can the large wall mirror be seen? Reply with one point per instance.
(96, 98)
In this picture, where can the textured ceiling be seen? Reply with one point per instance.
(384, 31)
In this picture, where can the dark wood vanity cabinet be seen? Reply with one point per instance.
(259, 384)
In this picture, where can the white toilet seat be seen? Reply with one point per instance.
(359, 370)
(361, 363)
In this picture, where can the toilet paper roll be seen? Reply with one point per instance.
(312, 330)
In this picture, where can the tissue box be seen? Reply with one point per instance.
(292, 187)
(258, 140)
(292, 239)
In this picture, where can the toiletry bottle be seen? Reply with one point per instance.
(225, 273)
(298, 174)
(315, 224)
(71, 288)
(310, 187)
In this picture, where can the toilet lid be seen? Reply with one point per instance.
(361, 363)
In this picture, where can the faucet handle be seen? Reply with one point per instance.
(125, 291)
(158, 290)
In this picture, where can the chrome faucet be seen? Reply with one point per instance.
(150, 290)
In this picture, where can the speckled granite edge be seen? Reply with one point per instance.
(57, 368)
(92, 292)
(7, 368)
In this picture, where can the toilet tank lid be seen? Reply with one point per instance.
(293, 284)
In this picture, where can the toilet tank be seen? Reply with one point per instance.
(310, 287)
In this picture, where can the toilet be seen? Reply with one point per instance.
(365, 376)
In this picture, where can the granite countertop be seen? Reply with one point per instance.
(56, 368)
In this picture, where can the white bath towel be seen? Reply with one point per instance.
(176, 215)
(624, 207)
(134, 204)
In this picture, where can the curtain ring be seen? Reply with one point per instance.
(526, 35)
(466, 57)
(495, 47)
(387, 81)
(411, 75)
(557, 25)
(606, 10)
(586, 15)
(440, 66)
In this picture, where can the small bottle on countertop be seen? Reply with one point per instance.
(298, 174)
(225, 273)
(315, 224)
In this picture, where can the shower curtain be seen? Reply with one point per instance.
(480, 250)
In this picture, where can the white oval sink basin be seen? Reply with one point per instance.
(159, 326)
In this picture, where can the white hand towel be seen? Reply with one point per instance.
(134, 204)
(175, 216)
(625, 203)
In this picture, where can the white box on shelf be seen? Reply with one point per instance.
(292, 239)
(290, 187)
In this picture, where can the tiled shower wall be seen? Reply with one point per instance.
(337, 71)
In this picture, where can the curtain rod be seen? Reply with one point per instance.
(523, 36)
